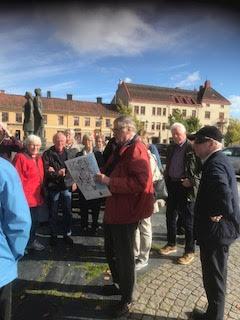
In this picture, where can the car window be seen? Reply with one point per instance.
(228, 151)
(236, 152)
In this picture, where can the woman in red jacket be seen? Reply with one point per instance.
(30, 169)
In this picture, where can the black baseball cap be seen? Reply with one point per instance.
(208, 133)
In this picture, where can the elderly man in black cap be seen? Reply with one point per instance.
(217, 218)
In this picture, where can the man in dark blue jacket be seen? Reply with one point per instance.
(217, 218)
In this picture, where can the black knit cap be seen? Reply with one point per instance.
(206, 133)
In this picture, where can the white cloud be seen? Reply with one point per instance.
(127, 80)
(235, 106)
(190, 80)
(109, 32)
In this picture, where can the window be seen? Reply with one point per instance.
(164, 112)
(60, 120)
(76, 121)
(221, 115)
(5, 117)
(44, 118)
(194, 113)
(142, 110)
(153, 125)
(159, 111)
(207, 104)
(207, 114)
(136, 109)
(153, 111)
(19, 117)
(87, 122)
(164, 126)
(108, 123)
(192, 101)
(98, 122)
(222, 105)
(184, 112)
(176, 99)
(184, 100)
(158, 126)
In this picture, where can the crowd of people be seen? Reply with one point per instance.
(202, 194)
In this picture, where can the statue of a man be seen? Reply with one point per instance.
(38, 117)
(28, 123)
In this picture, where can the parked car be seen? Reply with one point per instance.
(233, 153)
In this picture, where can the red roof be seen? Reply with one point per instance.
(177, 96)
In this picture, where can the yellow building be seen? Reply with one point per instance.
(152, 105)
(59, 114)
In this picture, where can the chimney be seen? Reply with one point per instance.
(207, 84)
(69, 96)
(49, 94)
(99, 99)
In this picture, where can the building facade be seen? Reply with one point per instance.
(59, 114)
(153, 105)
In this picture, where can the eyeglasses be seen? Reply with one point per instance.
(118, 129)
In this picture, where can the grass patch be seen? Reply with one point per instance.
(94, 270)
(56, 293)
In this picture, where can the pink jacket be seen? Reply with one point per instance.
(131, 186)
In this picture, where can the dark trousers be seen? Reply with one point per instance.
(35, 212)
(66, 197)
(177, 203)
(119, 243)
(214, 271)
(6, 302)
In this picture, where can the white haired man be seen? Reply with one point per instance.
(57, 185)
(182, 176)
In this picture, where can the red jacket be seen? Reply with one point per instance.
(131, 186)
(31, 174)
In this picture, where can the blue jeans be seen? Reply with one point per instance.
(66, 198)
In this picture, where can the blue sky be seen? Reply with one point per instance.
(85, 51)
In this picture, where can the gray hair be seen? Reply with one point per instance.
(70, 131)
(32, 139)
(60, 133)
(178, 125)
(126, 121)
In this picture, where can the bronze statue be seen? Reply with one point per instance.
(38, 117)
(28, 123)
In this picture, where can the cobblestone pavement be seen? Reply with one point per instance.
(65, 283)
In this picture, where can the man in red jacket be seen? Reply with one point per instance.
(129, 178)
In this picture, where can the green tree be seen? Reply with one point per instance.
(127, 111)
(232, 135)
(176, 116)
(192, 124)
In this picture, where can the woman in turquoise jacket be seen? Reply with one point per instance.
(15, 225)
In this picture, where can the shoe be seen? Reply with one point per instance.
(167, 250)
(198, 315)
(36, 245)
(111, 290)
(53, 241)
(187, 258)
(68, 240)
(69, 233)
(140, 265)
(121, 309)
